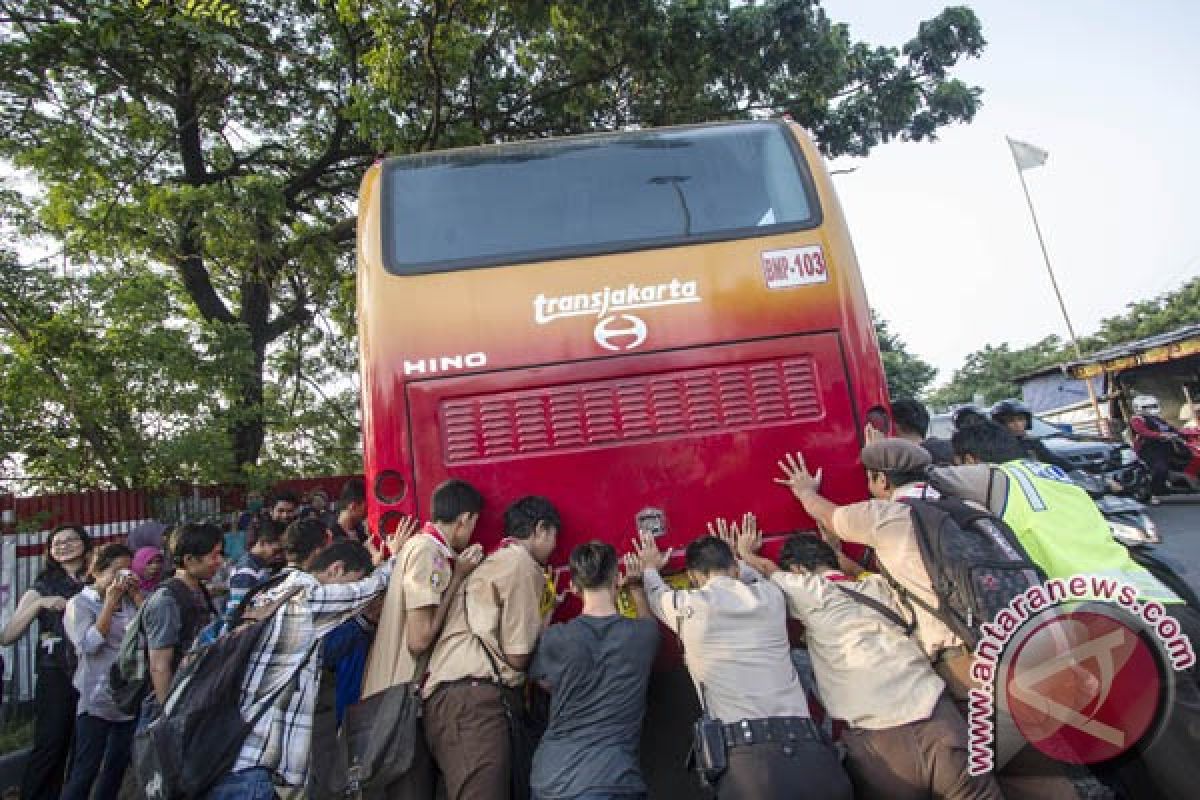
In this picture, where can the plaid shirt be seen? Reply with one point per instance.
(281, 739)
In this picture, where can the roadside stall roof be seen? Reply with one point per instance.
(1158, 349)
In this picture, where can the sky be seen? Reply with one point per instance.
(943, 235)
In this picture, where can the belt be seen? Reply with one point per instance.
(772, 729)
(467, 682)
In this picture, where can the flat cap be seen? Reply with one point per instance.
(895, 455)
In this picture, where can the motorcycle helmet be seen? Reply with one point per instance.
(1146, 404)
(967, 416)
(1005, 410)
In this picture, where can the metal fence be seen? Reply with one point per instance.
(107, 515)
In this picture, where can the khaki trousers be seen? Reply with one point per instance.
(467, 731)
(1031, 775)
(916, 761)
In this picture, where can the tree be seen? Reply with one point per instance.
(220, 151)
(907, 375)
(1149, 317)
(992, 371)
(96, 390)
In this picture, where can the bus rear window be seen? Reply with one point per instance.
(589, 195)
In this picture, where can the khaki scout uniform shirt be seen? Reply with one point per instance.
(424, 572)
(869, 672)
(735, 643)
(499, 607)
(887, 526)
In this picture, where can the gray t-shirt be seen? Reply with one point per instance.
(162, 620)
(598, 669)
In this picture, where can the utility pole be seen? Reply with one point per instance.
(1026, 156)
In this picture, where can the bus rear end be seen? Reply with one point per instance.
(629, 324)
(637, 326)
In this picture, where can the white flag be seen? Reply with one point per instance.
(1026, 155)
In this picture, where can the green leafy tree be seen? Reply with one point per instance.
(1161, 314)
(221, 152)
(96, 389)
(990, 372)
(907, 374)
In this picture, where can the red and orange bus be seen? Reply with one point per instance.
(619, 322)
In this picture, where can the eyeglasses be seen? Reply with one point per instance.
(58, 544)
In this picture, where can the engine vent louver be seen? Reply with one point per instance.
(622, 410)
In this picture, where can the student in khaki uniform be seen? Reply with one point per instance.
(433, 562)
(895, 470)
(905, 740)
(478, 665)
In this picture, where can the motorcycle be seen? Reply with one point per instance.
(1133, 528)
(1126, 517)
(1184, 474)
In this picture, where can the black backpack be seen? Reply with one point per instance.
(975, 562)
(196, 740)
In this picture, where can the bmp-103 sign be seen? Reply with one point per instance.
(796, 266)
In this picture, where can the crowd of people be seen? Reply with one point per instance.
(467, 637)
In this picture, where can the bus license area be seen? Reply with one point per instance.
(796, 266)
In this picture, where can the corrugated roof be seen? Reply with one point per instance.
(1179, 343)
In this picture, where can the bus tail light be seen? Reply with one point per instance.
(388, 523)
(390, 487)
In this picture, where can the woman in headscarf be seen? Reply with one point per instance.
(148, 566)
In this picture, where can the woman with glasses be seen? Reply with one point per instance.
(68, 552)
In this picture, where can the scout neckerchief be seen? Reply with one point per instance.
(429, 529)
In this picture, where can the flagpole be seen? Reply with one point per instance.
(1101, 424)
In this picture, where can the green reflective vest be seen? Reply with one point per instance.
(1065, 534)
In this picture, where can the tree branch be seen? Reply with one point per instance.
(190, 264)
(344, 230)
(298, 314)
(187, 124)
(312, 173)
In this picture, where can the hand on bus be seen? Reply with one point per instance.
(797, 477)
(750, 539)
(632, 576)
(405, 529)
(726, 531)
(732, 532)
(467, 561)
(748, 546)
(648, 553)
(396, 540)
